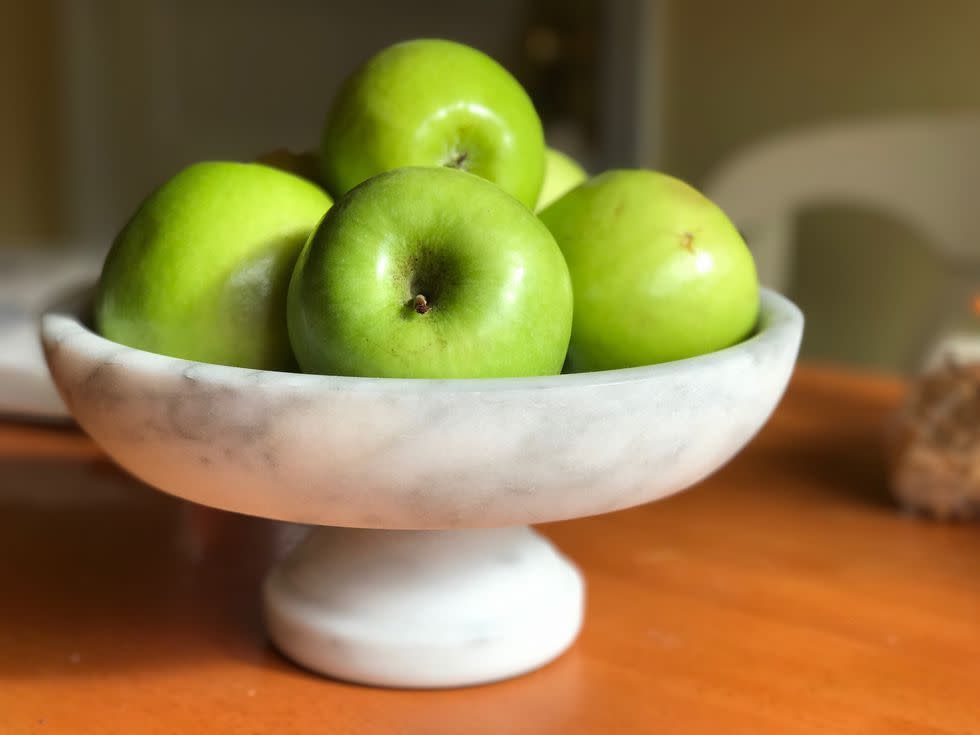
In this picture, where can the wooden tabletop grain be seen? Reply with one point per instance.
(784, 595)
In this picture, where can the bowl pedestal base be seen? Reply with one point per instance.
(424, 609)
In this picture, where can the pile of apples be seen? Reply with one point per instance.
(436, 237)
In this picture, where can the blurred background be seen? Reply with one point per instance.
(839, 135)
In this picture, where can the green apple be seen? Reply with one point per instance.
(433, 103)
(427, 272)
(202, 269)
(561, 173)
(659, 272)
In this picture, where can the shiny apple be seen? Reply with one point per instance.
(202, 268)
(659, 271)
(431, 102)
(430, 273)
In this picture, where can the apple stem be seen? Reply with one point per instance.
(421, 304)
(458, 159)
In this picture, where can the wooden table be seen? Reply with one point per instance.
(784, 595)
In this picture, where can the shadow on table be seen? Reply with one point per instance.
(846, 462)
(100, 574)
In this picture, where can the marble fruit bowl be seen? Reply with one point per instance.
(454, 588)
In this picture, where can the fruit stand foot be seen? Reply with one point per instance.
(424, 609)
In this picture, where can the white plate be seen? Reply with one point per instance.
(30, 280)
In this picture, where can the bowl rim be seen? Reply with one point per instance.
(777, 316)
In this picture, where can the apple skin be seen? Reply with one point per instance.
(659, 271)
(431, 102)
(497, 289)
(561, 174)
(202, 269)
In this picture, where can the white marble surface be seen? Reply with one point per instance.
(421, 607)
(424, 608)
(421, 454)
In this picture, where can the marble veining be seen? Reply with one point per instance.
(421, 454)
(463, 594)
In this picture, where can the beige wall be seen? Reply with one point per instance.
(737, 71)
(734, 71)
(28, 123)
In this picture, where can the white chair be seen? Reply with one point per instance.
(924, 171)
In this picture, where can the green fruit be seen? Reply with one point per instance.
(430, 273)
(561, 174)
(434, 103)
(659, 272)
(202, 269)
